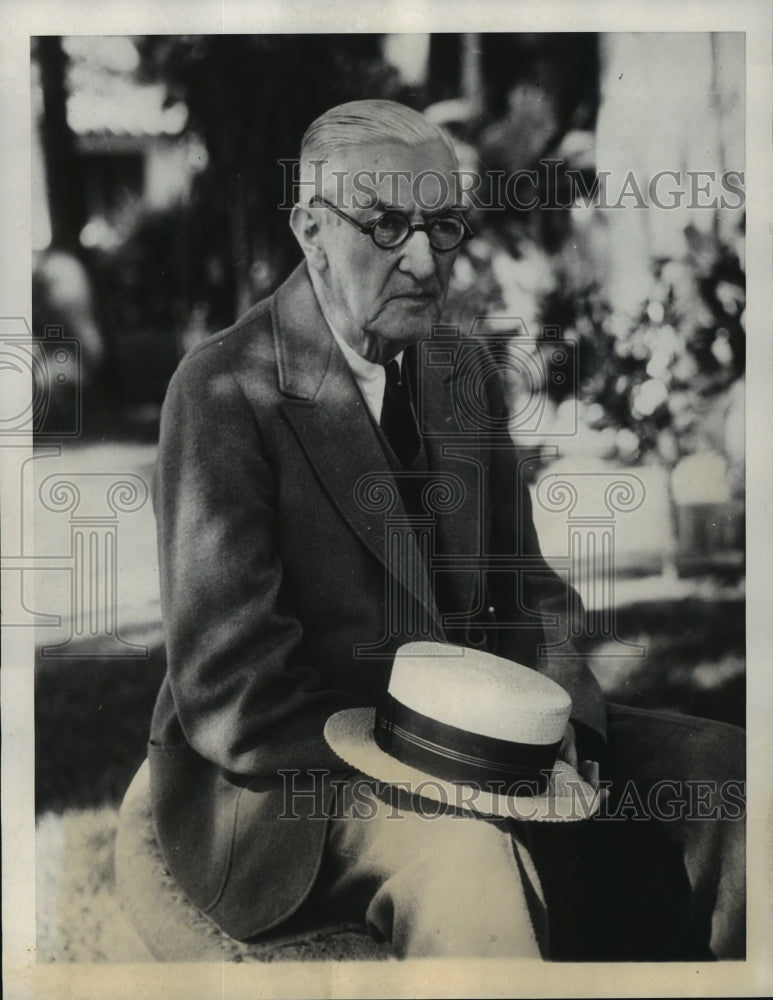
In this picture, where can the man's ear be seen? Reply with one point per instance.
(306, 229)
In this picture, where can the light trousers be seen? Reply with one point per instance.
(431, 883)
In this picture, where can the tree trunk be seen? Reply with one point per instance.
(63, 178)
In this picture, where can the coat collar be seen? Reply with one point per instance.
(304, 343)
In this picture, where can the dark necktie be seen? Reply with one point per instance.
(397, 420)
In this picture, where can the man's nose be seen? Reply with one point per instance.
(417, 256)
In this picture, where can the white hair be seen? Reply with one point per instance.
(360, 123)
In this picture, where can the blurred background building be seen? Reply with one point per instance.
(157, 219)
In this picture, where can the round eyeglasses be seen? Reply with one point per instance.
(392, 229)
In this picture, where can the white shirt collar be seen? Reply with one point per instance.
(369, 375)
(361, 367)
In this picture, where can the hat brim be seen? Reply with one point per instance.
(567, 797)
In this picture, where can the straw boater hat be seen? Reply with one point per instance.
(469, 730)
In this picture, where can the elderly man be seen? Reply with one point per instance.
(283, 602)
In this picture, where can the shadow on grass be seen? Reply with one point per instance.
(92, 718)
(694, 662)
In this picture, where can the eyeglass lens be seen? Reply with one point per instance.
(392, 229)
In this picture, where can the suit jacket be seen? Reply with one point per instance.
(272, 525)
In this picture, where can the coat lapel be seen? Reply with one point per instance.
(454, 451)
(332, 423)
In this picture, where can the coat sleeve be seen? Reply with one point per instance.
(237, 699)
(538, 590)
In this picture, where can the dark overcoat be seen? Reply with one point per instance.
(283, 600)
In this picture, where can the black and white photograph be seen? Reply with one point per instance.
(386, 526)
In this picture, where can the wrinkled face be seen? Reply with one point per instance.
(380, 301)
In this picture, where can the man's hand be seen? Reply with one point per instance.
(587, 769)
(568, 749)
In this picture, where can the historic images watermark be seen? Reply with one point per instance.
(311, 794)
(42, 381)
(552, 185)
(42, 404)
(482, 433)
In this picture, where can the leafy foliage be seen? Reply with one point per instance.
(245, 102)
(654, 378)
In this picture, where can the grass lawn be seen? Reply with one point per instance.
(92, 718)
(695, 658)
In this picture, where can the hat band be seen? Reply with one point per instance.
(459, 756)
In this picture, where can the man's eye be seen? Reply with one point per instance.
(447, 225)
(390, 225)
